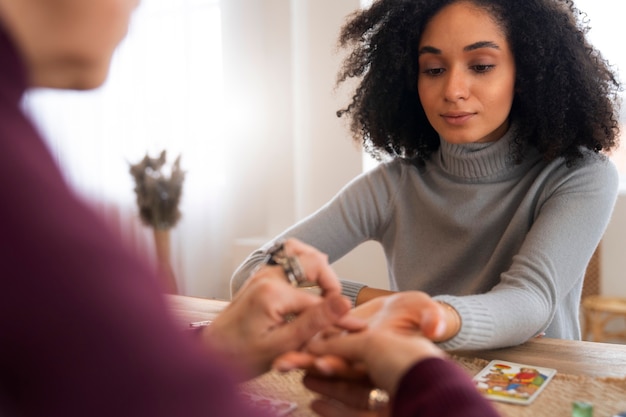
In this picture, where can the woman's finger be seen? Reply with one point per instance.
(350, 346)
(294, 360)
(324, 312)
(315, 265)
(329, 365)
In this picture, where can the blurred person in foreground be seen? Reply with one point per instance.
(84, 326)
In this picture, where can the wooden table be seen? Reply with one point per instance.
(585, 360)
(190, 309)
(566, 356)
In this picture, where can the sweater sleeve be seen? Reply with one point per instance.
(439, 388)
(356, 214)
(540, 292)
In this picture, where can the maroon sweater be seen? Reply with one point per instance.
(84, 330)
(439, 388)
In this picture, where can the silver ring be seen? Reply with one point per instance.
(377, 399)
(290, 264)
(295, 272)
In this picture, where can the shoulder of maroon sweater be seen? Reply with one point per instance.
(426, 390)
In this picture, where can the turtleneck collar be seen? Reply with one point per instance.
(13, 74)
(474, 161)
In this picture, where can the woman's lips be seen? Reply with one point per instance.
(457, 118)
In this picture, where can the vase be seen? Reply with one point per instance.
(164, 263)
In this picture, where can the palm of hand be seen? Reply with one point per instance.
(410, 312)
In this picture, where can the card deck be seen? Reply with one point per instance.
(513, 382)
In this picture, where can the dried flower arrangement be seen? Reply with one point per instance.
(158, 196)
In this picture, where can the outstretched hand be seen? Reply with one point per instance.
(407, 311)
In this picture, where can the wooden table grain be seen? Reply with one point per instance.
(566, 356)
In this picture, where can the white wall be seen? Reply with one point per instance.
(613, 253)
(314, 155)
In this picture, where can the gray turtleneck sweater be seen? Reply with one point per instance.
(506, 245)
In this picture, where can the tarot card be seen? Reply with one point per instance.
(513, 382)
(273, 406)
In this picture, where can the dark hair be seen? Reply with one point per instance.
(566, 93)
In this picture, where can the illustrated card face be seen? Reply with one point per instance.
(512, 382)
(275, 407)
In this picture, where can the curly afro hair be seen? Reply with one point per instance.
(567, 95)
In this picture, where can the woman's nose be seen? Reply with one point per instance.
(456, 86)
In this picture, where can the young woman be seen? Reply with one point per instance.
(84, 329)
(493, 117)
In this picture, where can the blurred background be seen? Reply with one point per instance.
(243, 91)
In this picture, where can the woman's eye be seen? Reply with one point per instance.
(434, 71)
(480, 68)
